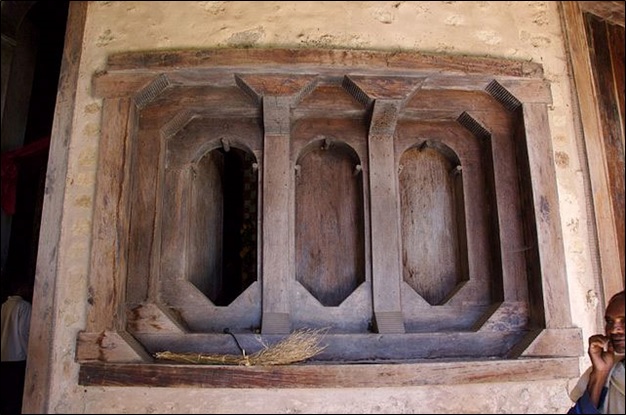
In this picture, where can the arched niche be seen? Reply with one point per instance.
(222, 260)
(432, 221)
(329, 230)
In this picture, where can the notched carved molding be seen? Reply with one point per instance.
(153, 90)
(473, 126)
(356, 92)
(276, 323)
(526, 91)
(503, 96)
(177, 123)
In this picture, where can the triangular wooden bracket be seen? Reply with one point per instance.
(154, 318)
(281, 85)
(366, 89)
(110, 346)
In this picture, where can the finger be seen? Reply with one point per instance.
(609, 347)
(598, 343)
(599, 339)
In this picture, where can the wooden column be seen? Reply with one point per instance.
(110, 227)
(278, 93)
(386, 271)
(548, 220)
(277, 251)
(50, 284)
(105, 337)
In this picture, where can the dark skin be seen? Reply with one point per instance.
(605, 350)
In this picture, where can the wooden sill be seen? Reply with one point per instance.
(325, 375)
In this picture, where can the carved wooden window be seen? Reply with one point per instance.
(406, 203)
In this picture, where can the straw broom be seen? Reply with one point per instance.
(299, 346)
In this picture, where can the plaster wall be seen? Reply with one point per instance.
(522, 30)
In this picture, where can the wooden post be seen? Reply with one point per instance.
(276, 190)
(386, 272)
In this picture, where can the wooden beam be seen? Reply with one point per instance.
(327, 376)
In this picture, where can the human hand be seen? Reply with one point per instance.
(601, 352)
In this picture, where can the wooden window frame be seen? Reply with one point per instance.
(110, 349)
(598, 116)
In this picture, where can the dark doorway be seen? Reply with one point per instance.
(47, 21)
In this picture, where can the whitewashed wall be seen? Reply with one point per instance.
(525, 30)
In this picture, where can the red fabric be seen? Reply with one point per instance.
(10, 169)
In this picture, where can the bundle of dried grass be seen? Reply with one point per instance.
(299, 346)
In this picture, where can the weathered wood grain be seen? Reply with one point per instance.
(352, 150)
(327, 376)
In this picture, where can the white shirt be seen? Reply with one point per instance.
(614, 401)
(15, 328)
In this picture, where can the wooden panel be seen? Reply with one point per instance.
(608, 272)
(179, 227)
(354, 314)
(431, 258)
(207, 227)
(328, 376)
(174, 219)
(176, 276)
(617, 45)
(493, 132)
(510, 178)
(110, 224)
(481, 241)
(612, 122)
(145, 173)
(330, 257)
